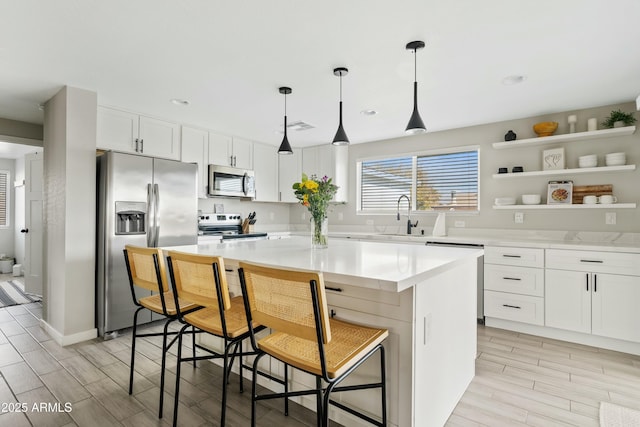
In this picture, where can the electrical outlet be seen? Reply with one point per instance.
(610, 218)
(272, 216)
(518, 217)
(304, 216)
(459, 224)
(340, 216)
(369, 222)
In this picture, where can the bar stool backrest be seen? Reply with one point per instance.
(282, 300)
(194, 278)
(142, 267)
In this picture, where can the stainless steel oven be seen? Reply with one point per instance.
(227, 227)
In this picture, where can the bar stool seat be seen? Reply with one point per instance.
(349, 343)
(154, 303)
(208, 319)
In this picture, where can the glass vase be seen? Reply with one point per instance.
(319, 232)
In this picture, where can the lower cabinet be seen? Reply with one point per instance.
(596, 303)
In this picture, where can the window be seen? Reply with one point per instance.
(4, 198)
(435, 181)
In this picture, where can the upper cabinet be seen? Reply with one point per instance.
(266, 172)
(289, 171)
(132, 133)
(227, 151)
(331, 161)
(195, 149)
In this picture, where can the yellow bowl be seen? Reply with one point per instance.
(545, 128)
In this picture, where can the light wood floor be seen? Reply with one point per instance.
(525, 380)
(520, 380)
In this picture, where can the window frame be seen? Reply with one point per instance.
(414, 155)
(8, 199)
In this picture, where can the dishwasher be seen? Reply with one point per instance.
(480, 301)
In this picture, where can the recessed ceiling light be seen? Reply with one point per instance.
(513, 80)
(182, 102)
(369, 112)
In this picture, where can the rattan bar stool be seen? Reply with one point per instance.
(146, 270)
(202, 280)
(293, 304)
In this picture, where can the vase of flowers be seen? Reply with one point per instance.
(316, 194)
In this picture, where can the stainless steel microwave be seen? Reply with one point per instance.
(231, 182)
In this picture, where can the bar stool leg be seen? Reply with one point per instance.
(133, 348)
(164, 364)
(177, 390)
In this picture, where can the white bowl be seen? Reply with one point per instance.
(615, 162)
(505, 201)
(531, 199)
(588, 158)
(587, 164)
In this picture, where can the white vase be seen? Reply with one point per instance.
(618, 124)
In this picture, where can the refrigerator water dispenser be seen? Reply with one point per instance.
(131, 217)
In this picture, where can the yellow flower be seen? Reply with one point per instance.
(311, 185)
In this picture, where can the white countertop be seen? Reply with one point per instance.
(606, 242)
(386, 266)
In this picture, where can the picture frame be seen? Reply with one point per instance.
(560, 193)
(553, 159)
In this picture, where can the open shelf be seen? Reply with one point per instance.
(557, 172)
(578, 136)
(560, 206)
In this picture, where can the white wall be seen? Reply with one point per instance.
(625, 185)
(69, 218)
(6, 234)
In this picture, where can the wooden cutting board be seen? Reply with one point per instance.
(579, 191)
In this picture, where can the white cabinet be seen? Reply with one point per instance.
(289, 171)
(328, 160)
(568, 300)
(514, 284)
(582, 295)
(195, 146)
(227, 151)
(129, 132)
(266, 172)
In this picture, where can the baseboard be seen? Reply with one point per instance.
(65, 340)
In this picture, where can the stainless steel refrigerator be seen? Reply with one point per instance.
(145, 202)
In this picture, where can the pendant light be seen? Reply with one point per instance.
(415, 125)
(341, 136)
(285, 147)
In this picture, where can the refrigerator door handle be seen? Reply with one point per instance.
(150, 216)
(156, 220)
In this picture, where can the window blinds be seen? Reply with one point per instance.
(4, 202)
(446, 181)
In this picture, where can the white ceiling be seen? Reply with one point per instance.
(228, 58)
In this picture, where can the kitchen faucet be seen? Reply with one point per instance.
(409, 224)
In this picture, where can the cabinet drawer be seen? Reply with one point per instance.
(517, 280)
(522, 257)
(520, 308)
(592, 261)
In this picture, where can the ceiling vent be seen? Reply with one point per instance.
(299, 126)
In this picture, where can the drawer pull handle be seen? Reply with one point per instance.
(511, 256)
(511, 306)
(333, 289)
(587, 281)
(595, 283)
(592, 260)
(512, 278)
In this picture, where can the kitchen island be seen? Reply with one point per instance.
(425, 296)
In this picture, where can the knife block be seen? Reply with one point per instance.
(246, 227)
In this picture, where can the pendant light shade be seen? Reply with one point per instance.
(415, 125)
(285, 147)
(341, 136)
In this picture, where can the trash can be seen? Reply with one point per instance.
(6, 265)
(17, 270)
